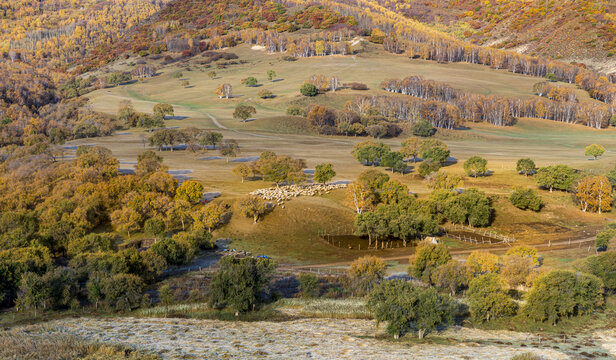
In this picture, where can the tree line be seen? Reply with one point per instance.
(499, 110)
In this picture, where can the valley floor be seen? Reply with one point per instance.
(320, 339)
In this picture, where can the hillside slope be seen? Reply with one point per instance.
(578, 30)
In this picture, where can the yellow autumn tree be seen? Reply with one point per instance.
(360, 197)
(595, 194)
(482, 262)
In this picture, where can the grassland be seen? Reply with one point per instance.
(292, 234)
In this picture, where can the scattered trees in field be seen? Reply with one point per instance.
(442, 180)
(559, 177)
(324, 173)
(435, 150)
(244, 112)
(394, 160)
(271, 75)
(241, 283)
(525, 166)
(409, 308)
(594, 150)
(370, 152)
(488, 299)
(211, 74)
(280, 169)
(476, 166)
(525, 199)
(595, 194)
(561, 294)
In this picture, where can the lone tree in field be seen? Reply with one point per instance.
(163, 109)
(595, 194)
(251, 81)
(244, 112)
(365, 272)
(212, 74)
(271, 75)
(229, 148)
(224, 90)
(252, 207)
(409, 308)
(559, 177)
(309, 89)
(369, 152)
(240, 284)
(594, 150)
(525, 166)
(411, 147)
(324, 173)
(476, 166)
(243, 171)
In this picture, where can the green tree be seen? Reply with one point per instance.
(428, 257)
(428, 167)
(559, 177)
(122, 291)
(174, 251)
(602, 266)
(244, 112)
(525, 199)
(33, 292)
(190, 191)
(271, 74)
(251, 81)
(229, 148)
(471, 206)
(243, 171)
(324, 173)
(308, 285)
(393, 160)
(422, 128)
(154, 226)
(435, 150)
(488, 299)
(408, 308)
(594, 150)
(165, 294)
(370, 152)
(525, 166)
(476, 166)
(309, 89)
(241, 283)
(561, 294)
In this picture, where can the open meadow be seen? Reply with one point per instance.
(292, 234)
